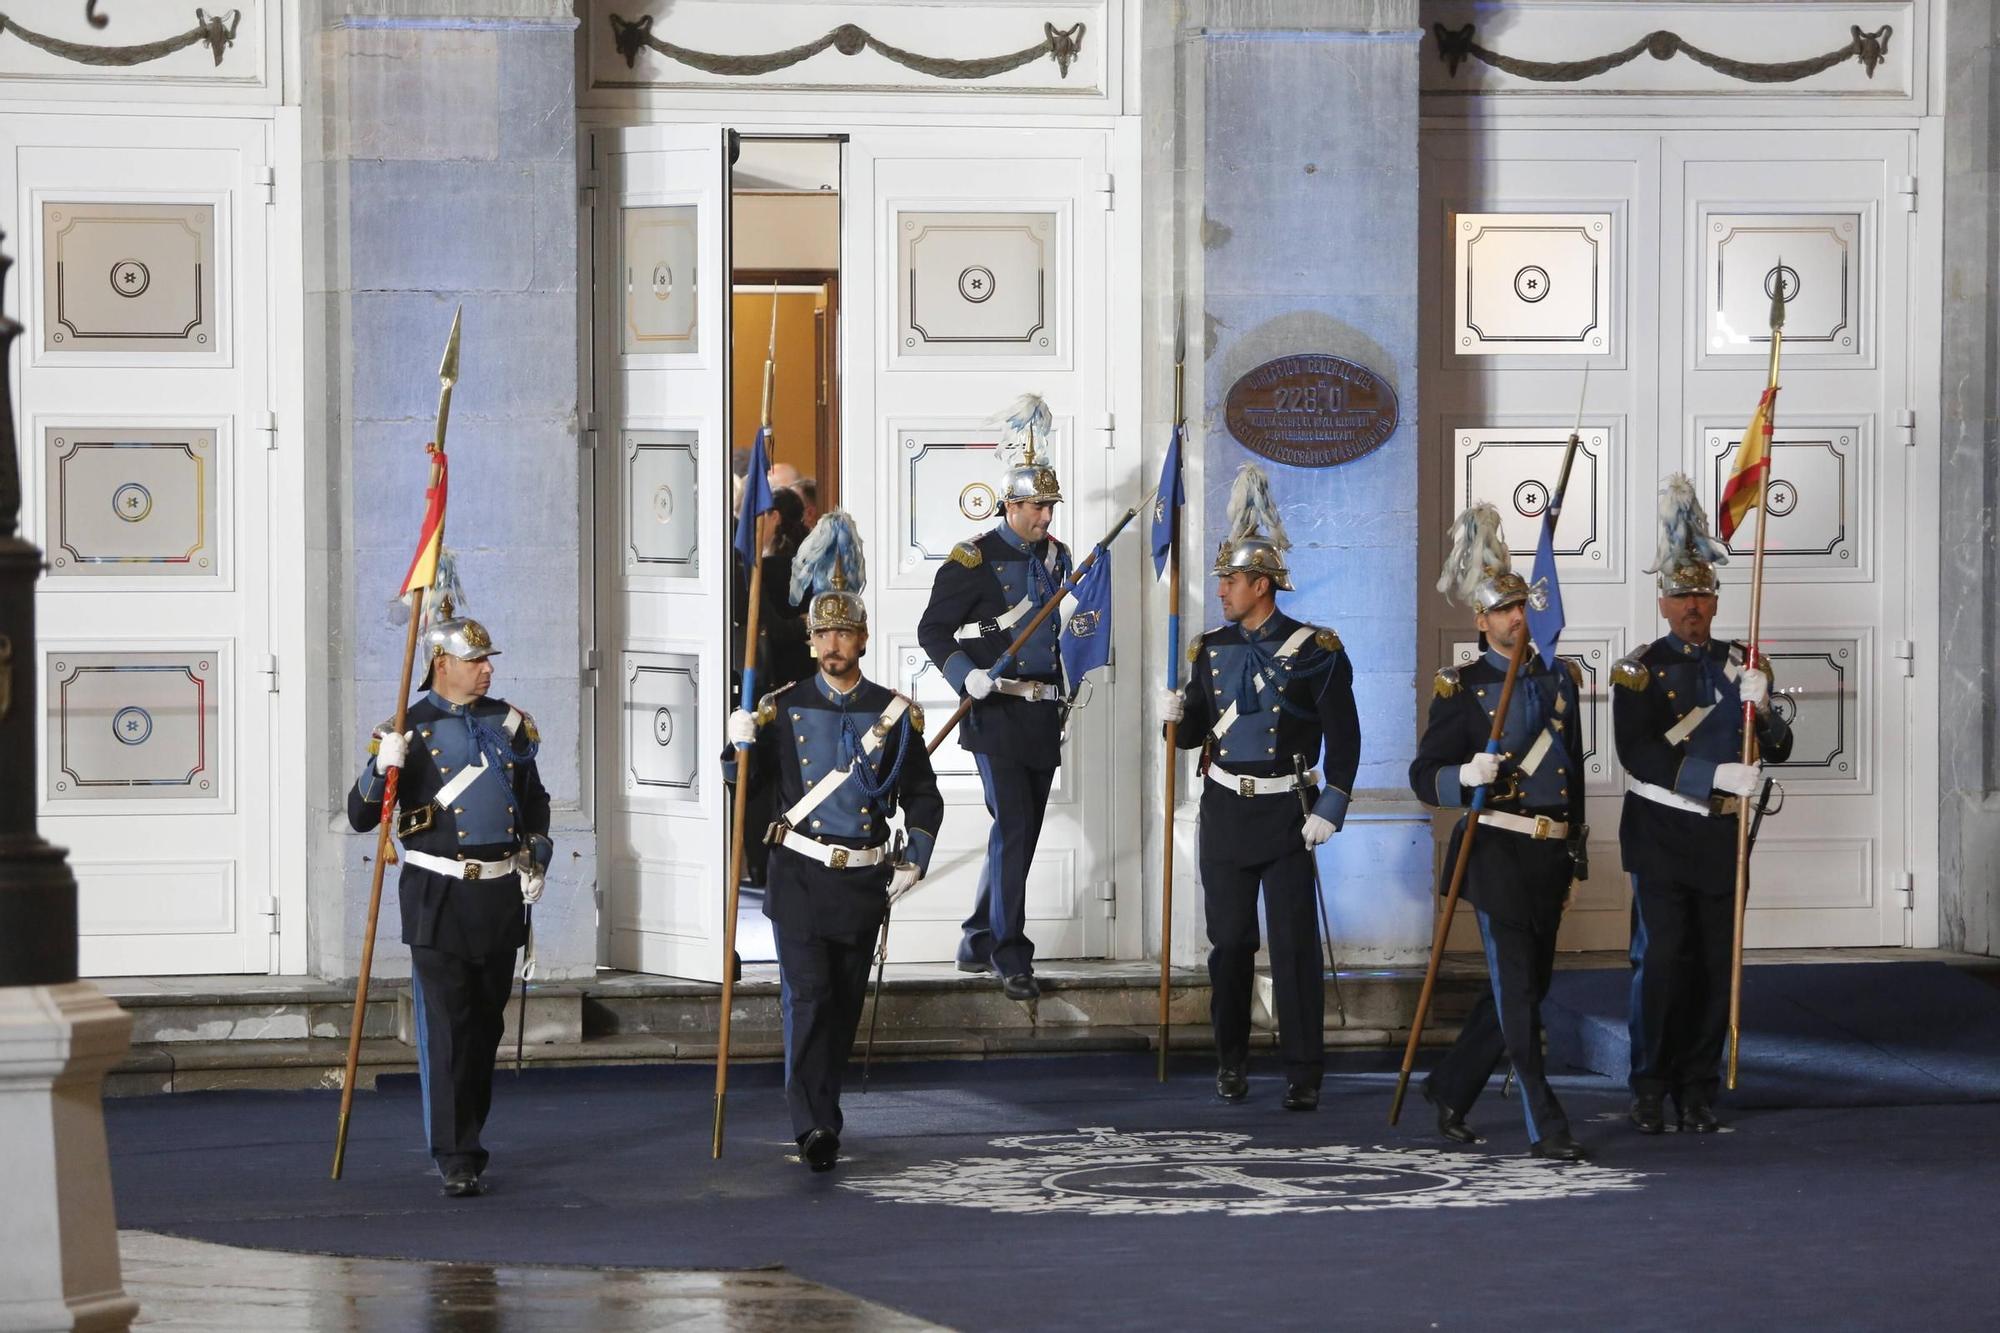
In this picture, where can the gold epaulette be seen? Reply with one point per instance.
(1631, 673)
(916, 717)
(1194, 649)
(1327, 639)
(767, 708)
(529, 729)
(1446, 683)
(967, 554)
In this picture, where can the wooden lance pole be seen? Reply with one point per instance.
(385, 851)
(743, 753)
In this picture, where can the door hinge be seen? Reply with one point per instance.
(1906, 425)
(267, 180)
(587, 437)
(1106, 189)
(590, 668)
(587, 185)
(1108, 424)
(267, 426)
(269, 671)
(1106, 892)
(272, 909)
(1905, 652)
(1906, 186)
(1904, 885)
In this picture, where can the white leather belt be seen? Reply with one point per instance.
(1537, 827)
(1248, 786)
(452, 868)
(837, 858)
(1715, 805)
(1000, 624)
(1034, 691)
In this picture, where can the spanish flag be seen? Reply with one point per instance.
(424, 568)
(1745, 488)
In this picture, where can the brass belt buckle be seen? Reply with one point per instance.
(1246, 786)
(472, 869)
(839, 861)
(418, 820)
(1543, 827)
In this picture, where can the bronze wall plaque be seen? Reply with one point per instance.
(1311, 410)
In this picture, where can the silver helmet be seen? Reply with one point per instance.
(1027, 478)
(1688, 551)
(1478, 570)
(451, 635)
(831, 570)
(1257, 542)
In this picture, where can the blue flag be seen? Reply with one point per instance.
(1545, 599)
(1167, 508)
(1086, 635)
(756, 501)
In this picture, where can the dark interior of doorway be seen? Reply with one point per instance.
(785, 308)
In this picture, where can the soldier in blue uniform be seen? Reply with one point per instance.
(1531, 840)
(1677, 709)
(1267, 697)
(473, 820)
(843, 753)
(1014, 731)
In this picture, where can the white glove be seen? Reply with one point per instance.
(532, 884)
(1316, 831)
(1479, 771)
(902, 879)
(741, 728)
(1172, 707)
(978, 684)
(1755, 687)
(391, 751)
(1738, 779)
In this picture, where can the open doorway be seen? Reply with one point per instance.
(785, 308)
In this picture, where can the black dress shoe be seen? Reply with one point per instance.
(978, 966)
(1300, 1097)
(1559, 1147)
(1231, 1084)
(1022, 986)
(820, 1150)
(463, 1183)
(1647, 1117)
(1699, 1118)
(1451, 1123)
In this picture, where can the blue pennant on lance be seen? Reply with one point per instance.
(756, 501)
(1545, 601)
(1167, 505)
(1086, 635)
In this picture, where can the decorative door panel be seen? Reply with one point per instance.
(1823, 687)
(1533, 284)
(1816, 260)
(1820, 523)
(145, 270)
(660, 227)
(1516, 469)
(988, 253)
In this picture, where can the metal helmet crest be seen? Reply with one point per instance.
(831, 570)
(1027, 477)
(1257, 541)
(1478, 569)
(1688, 551)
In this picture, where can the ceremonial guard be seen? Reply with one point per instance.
(473, 820)
(1267, 697)
(1677, 710)
(1531, 840)
(1015, 728)
(843, 753)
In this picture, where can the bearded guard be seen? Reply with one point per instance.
(473, 819)
(845, 754)
(1267, 698)
(1520, 873)
(987, 587)
(1677, 712)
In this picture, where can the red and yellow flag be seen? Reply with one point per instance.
(1745, 488)
(424, 568)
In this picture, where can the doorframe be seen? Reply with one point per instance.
(826, 453)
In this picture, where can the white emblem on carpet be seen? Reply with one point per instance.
(1107, 1172)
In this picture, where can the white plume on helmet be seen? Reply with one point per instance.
(1478, 551)
(1684, 530)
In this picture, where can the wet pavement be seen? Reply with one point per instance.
(187, 1284)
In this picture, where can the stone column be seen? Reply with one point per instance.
(440, 171)
(1304, 124)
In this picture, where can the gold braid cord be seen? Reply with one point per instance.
(219, 33)
(633, 35)
(1455, 46)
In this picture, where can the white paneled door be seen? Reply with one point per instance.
(983, 258)
(1649, 260)
(146, 447)
(660, 247)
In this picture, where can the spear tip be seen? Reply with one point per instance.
(1778, 296)
(448, 368)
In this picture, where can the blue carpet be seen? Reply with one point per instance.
(1815, 1034)
(1190, 1214)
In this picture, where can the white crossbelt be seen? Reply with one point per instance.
(838, 858)
(1034, 691)
(1293, 642)
(452, 868)
(1000, 624)
(1728, 805)
(829, 784)
(1249, 786)
(452, 790)
(1535, 826)
(1686, 726)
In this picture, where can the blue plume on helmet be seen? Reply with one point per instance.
(831, 550)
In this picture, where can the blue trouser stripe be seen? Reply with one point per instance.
(422, 1012)
(1500, 1007)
